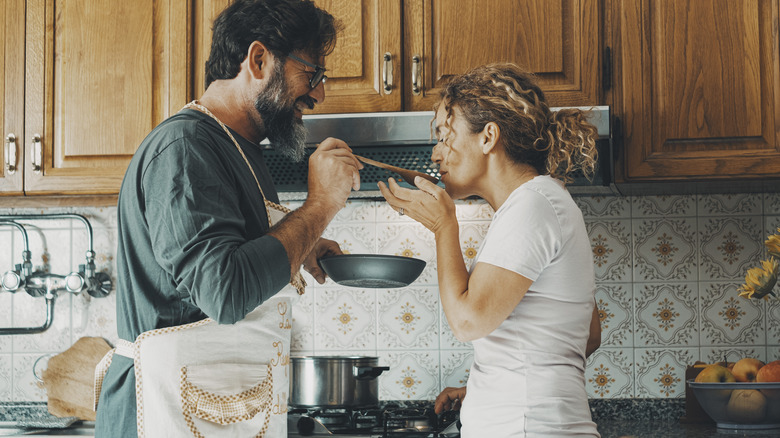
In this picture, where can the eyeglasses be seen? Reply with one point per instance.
(319, 71)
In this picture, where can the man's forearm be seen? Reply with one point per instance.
(300, 230)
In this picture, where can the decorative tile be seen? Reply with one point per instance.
(104, 244)
(615, 305)
(771, 203)
(604, 207)
(455, 368)
(772, 353)
(664, 249)
(665, 314)
(728, 204)
(6, 380)
(357, 210)
(409, 240)
(472, 235)
(729, 246)
(302, 338)
(771, 224)
(353, 238)
(473, 209)
(51, 250)
(731, 354)
(345, 319)
(94, 317)
(31, 312)
(25, 387)
(660, 373)
(663, 206)
(609, 373)
(611, 244)
(447, 339)
(412, 376)
(409, 318)
(728, 319)
(773, 322)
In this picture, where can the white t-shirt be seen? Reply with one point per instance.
(528, 377)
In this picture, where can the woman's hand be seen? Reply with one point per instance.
(450, 399)
(323, 247)
(431, 205)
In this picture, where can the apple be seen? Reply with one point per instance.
(716, 398)
(770, 373)
(745, 369)
(715, 373)
(747, 406)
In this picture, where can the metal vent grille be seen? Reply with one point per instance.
(292, 177)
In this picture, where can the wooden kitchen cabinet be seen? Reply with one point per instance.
(373, 65)
(557, 40)
(98, 76)
(12, 94)
(699, 89)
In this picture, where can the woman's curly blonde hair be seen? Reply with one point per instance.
(555, 143)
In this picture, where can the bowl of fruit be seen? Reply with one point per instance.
(741, 395)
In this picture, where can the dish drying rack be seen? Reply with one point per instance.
(49, 285)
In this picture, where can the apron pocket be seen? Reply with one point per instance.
(226, 393)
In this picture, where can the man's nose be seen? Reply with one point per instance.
(436, 153)
(318, 93)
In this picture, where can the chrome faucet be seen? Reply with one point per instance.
(49, 285)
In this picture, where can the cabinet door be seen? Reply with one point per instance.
(357, 68)
(204, 11)
(100, 74)
(12, 95)
(558, 40)
(700, 85)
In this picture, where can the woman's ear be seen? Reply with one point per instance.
(489, 137)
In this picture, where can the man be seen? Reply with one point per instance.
(194, 237)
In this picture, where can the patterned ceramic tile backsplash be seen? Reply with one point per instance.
(667, 272)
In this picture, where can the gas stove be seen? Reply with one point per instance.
(388, 421)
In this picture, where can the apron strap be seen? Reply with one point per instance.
(123, 348)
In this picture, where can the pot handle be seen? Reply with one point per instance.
(368, 373)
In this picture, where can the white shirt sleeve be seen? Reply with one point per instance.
(524, 237)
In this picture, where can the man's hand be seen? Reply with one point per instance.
(333, 173)
(323, 247)
(450, 399)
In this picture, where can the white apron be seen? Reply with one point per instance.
(206, 379)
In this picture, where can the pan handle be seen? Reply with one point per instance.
(368, 373)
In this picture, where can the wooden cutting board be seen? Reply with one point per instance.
(69, 378)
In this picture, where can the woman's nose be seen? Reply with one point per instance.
(436, 153)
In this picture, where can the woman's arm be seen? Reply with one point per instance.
(594, 338)
(475, 304)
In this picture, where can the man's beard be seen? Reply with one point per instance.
(285, 131)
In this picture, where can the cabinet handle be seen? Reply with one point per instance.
(10, 153)
(37, 153)
(416, 75)
(387, 73)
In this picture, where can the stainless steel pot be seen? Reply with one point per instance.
(334, 381)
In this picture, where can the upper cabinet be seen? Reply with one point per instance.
(557, 40)
(395, 56)
(12, 94)
(97, 76)
(699, 90)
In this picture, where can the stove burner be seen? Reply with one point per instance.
(391, 421)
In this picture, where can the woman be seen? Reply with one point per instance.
(527, 305)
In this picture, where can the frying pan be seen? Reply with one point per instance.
(372, 270)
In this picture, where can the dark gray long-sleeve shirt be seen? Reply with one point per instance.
(192, 243)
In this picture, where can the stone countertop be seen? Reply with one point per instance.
(640, 418)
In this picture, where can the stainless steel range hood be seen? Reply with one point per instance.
(405, 139)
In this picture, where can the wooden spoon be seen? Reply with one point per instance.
(407, 174)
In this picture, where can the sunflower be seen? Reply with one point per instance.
(760, 281)
(773, 245)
